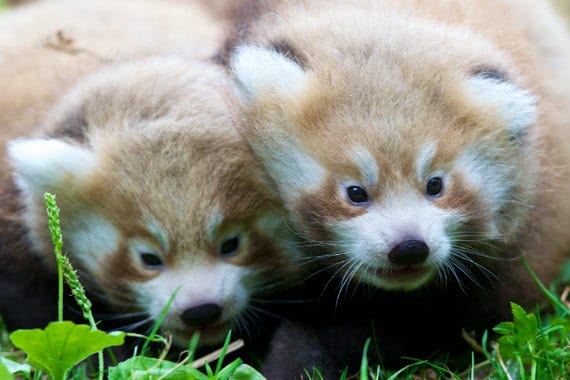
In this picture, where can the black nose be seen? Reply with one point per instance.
(409, 252)
(201, 315)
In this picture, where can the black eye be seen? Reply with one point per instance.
(434, 186)
(356, 194)
(229, 246)
(151, 260)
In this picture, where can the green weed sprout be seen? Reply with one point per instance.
(64, 268)
(528, 348)
(63, 344)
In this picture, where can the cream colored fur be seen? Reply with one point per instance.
(488, 80)
(386, 96)
(92, 33)
(128, 124)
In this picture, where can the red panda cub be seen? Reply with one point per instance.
(425, 147)
(159, 194)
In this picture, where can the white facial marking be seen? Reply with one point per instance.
(516, 105)
(215, 219)
(92, 239)
(218, 283)
(294, 170)
(367, 165)
(367, 239)
(42, 164)
(487, 177)
(424, 159)
(258, 69)
(159, 234)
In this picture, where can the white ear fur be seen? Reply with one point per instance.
(294, 170)
(258, 69)
(516, 105)
(42, 164)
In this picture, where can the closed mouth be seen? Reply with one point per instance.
(399, 277)
(405, 274)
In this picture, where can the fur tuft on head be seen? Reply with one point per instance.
(515, 105)
(258, 69)
(42, 164)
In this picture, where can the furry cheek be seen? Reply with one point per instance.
(218, 284)
(105, 258)
(481, 191)
(371, 237)
(319, 212)
(373, 242)
(93, 240)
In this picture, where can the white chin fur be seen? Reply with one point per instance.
(367, 240)
(294, 170)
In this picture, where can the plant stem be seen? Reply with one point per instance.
(64, 267)
(60, 291)
(57, 240)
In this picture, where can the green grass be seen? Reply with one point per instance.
(58, 349)
(530, 347)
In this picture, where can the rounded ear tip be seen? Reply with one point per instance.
(257, 69)
(18, 149)
(514, 104)
(48, 159)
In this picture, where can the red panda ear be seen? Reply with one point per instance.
(258, 70)
(287, 161)
(42, 165)
(515, 105)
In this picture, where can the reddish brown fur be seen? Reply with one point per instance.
(323, 136)
(386, 76)
(160, 125)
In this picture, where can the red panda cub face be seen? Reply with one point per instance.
(159, 196)
(406, 166)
